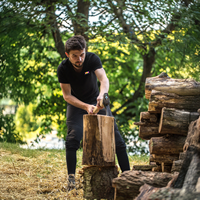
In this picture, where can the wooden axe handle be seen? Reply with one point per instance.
(96, 110)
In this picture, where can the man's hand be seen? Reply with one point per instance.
(90, 109)
(99, 98)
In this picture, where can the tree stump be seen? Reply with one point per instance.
(98, 140)
(97, 182)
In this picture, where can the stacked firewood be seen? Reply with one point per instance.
(172, 126)
(173, 105)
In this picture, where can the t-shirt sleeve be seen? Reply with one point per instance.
(62, 78)
(96, 64)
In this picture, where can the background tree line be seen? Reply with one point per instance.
(134, 39)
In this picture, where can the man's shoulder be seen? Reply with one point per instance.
(64, 63)
(91, 55)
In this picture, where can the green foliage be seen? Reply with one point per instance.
(8, 131)
(25, 121)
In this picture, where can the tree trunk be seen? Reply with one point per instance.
(163, 158)
(184, 87)
(158, 100)
(97, 182)
(128, 184)
(98, 140)
(174, 121)
(166, 145)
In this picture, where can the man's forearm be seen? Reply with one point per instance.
(75, 102)
(104, 87)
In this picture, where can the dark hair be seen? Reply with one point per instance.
(76, 42)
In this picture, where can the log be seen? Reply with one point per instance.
(149, 117)
(185, 87)
(176, 166)
(128, 184)
(97, 182)
(159, 158)
(175, 121)
(166, 167)
(193, 137)
(193, 173)
(166, 145)
(98, 140)
(145, 191)
(182, 155)
(173, 194)
(158, 100)
(143, 167)
(157, 169)
(184, 168)
(147, 132)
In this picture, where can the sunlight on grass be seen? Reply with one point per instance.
(41, 173)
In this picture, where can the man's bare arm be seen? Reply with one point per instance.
(104, 83)
(66, 89)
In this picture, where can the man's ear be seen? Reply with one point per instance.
(66, 54)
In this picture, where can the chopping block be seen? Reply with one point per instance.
(98, 140)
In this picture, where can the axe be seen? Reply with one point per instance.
(105, 102)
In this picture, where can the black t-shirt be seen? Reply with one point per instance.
(84, 84)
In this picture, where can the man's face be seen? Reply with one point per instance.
(76, 57)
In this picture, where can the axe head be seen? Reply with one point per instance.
(106, 104)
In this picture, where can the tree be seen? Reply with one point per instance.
(143, 32)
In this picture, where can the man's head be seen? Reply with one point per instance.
(75, 50)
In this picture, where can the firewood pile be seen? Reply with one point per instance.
(172, 126)
(173, 105)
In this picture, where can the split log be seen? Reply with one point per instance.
(184, 168)
(173, 194)
(97, 182)
(186, 87)
(182, 155)
(149, 117)
(128, 184)
(193, 137)
(166, 145)
(174, 121)
(166, 167)
(98, 140)
(147, 132)
(158, 100)
(163, 158)
(176, 166)
(157, 169)
(143, 167)
(145, 191)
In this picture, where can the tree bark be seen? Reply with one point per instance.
(158, 100)
(97, 182)
(128, 184)
(143, 167)
(193, 137)
(146, 133)
(176, 166)
(163, 158)
(184, 87)
(166, 145)
(174, 121)
(98, 140)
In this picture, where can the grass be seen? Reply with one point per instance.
(40, 173)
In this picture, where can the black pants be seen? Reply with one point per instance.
(75, 135)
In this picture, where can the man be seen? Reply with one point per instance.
(78, 76)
